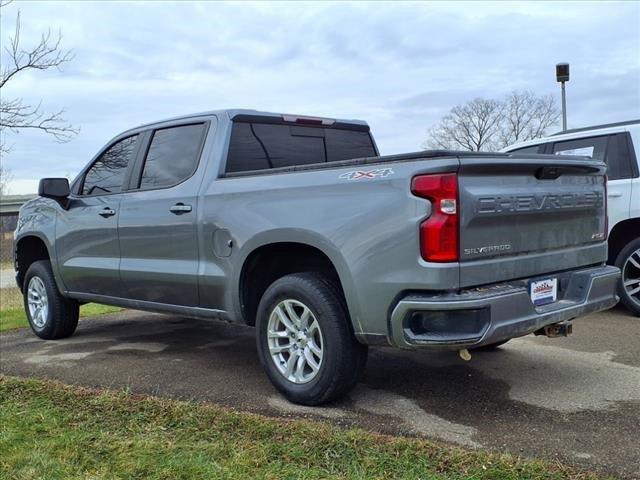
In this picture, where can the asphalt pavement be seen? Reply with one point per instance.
(573, 399)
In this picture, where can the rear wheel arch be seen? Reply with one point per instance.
(269, 262)
(621, 235)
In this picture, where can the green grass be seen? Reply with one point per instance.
(10, 297)
(50, 431)
(12, 318)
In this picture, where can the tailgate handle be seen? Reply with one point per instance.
(548, 173)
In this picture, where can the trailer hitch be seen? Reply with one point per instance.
(561, 329)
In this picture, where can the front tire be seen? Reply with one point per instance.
(305, 342)
(628, 261)
(50, 315)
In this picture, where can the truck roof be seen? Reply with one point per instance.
(597, 127)
(232, 113)
(575, 133)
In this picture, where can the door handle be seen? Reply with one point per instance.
(614, 194)
(107, 212)
(180, 208)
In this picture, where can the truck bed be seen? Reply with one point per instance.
(405, 157)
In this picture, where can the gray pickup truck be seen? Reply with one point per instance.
(296, 225)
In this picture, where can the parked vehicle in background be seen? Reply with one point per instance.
(617, 144)
(296, 225)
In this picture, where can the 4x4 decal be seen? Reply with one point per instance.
(367, 174)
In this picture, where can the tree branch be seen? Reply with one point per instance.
(15, 114)
(486, 124)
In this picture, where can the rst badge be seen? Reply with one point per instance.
(367, 174)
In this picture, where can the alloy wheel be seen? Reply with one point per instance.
(38, 302)
(295, 341)
(631, 276)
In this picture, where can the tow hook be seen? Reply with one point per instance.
(562, 329)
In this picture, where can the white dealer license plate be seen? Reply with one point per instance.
(544, 291)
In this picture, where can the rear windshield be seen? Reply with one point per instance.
(260, 146)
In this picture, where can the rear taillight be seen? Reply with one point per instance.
(439, 233)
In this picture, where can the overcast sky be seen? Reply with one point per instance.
(399, 66)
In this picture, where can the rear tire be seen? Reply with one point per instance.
(305, 342)
(50, 315)
(628, 261)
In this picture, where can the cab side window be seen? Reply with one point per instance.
(107, 172)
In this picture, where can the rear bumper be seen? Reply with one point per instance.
(482, 316)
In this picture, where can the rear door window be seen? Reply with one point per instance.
(260, 146)
(612, 149)
(172, 156)
(532, 149)
(594, 147)
(107, 173)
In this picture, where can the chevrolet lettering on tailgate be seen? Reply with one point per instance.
(528, 203)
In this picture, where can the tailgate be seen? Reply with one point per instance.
(525, 216)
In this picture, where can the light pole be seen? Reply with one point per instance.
(562, 76)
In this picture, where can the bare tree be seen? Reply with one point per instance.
(17, 114)
(527, 116)
(5, 178)
(485, 124)
(472, 126)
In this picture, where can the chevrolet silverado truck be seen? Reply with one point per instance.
(296, 225)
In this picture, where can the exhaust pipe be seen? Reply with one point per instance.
(561, 329)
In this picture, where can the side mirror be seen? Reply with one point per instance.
(56, 188)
